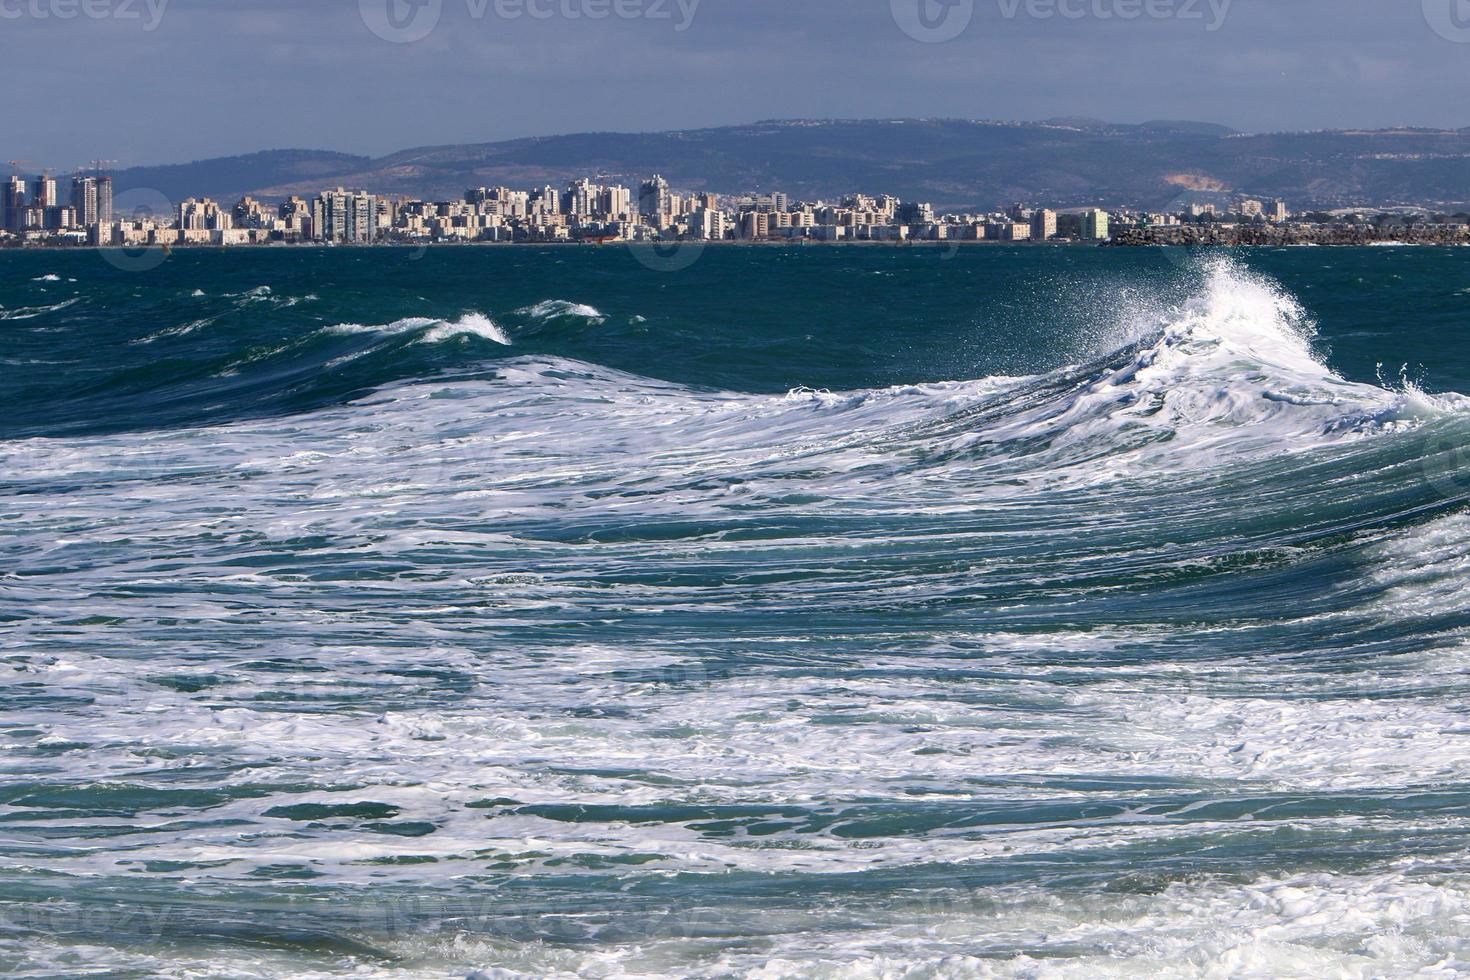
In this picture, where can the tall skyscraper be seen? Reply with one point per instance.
(84, 200)
(616, 200)
(653, 197)
(104, 202)
(582, 198)
(43, 192)
(12, 203)
(345, 216)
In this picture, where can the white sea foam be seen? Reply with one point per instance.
(406, 325)
(469, 325)
(31, 312)
(567, 588)
(553, 308)
(433, 331)
(1229, 375)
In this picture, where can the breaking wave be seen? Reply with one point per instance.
(490, 657)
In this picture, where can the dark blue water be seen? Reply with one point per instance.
(800, 612)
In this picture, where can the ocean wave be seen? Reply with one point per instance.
(555, 308)
(432, 331)
(1230, 373)
(1152, 663)
(31, 312)
(469, 325)
(406, 325)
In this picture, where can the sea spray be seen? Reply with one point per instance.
(826, 622)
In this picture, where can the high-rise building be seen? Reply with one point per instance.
(84, 200)
(546, 201)
(295, 214)
(1278, 211)
(708, 224)
(203, 215)
(755, 225)
(616, 200)
(582, 198)
(1014, 231)
(1043, 224)
(909, 213)
(58, 217)
(249, 213)
(345, 216)
(653, 198)
(1094, 225)
(12, 203)
(43, 192)
(104, 202)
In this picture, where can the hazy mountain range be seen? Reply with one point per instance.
(952, 163)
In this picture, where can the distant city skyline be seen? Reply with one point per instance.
(34, 214)
(194, 79)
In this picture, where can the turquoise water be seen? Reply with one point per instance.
(898, 612)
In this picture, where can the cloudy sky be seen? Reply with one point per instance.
(147, 81)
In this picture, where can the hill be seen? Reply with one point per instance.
(953, 163)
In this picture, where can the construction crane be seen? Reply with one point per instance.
(93, 167)
(15, 165)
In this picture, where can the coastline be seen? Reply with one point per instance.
(1134, 238)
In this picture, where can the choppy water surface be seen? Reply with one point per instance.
(804, 612)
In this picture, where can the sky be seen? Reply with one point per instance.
(159, 81)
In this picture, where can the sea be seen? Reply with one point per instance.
(831, 612)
